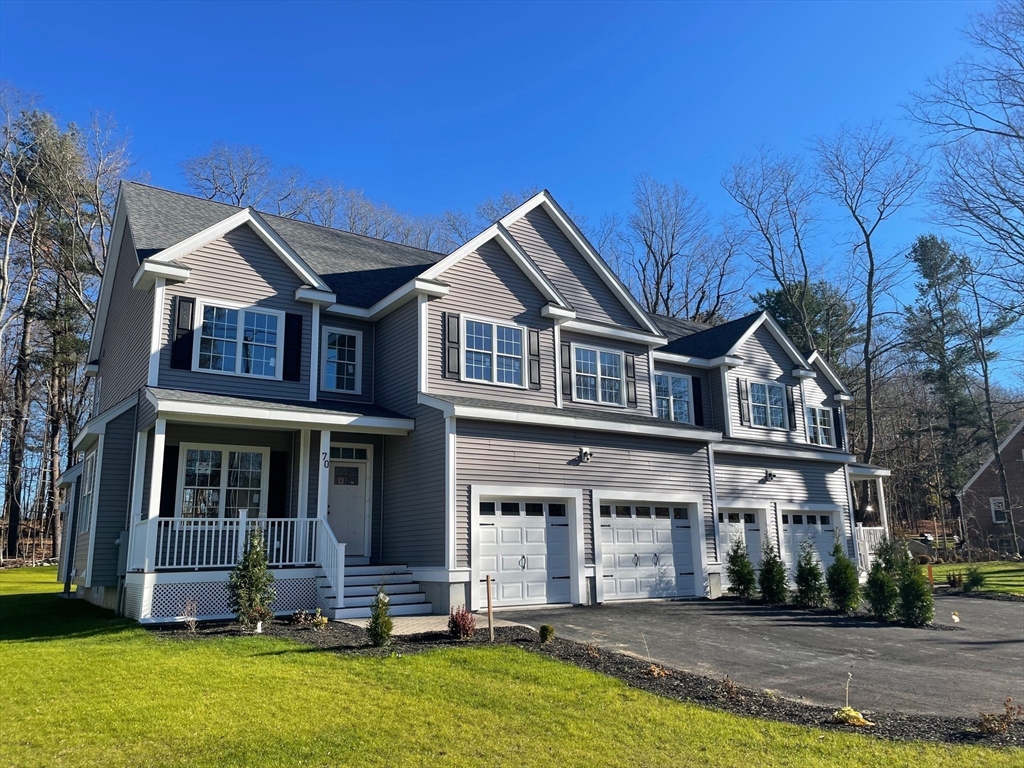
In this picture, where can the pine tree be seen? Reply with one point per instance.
(249, 584)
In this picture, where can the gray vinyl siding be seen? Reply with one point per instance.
(818, 392)
(796, 482)
(349, 324)
(124, 354)
(567, 269)
(705, 385)
(715, 400)
(489, 285)
(413, 523)
(377, 491)
(764, 359)
(147, 413)
(81, 540)
(147, 475)
(237, 268)
(642, 361)
(112, 497)
(507, 454)
(396, 359)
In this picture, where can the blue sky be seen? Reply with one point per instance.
(437, 106)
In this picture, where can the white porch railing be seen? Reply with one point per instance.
(868, 540)
(206, 543)
(331, 557)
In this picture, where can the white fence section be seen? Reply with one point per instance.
(868, 540)
(207, 543)
(331, 557)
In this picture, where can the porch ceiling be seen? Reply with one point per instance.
(183, 405)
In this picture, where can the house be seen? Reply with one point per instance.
(423, 420)
(992, 520)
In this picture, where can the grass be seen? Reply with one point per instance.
(80, 687)
(1007, 578)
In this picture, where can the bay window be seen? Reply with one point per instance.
(598, 375)
(243, 341)
(672, 394)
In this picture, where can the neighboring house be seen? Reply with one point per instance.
(987, 509)
(391, 415)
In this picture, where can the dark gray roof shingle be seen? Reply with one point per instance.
(360, 270)
(708, 343)
(298, 406)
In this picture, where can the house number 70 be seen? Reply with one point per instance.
(327, 464)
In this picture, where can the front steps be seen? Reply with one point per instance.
(361, 582)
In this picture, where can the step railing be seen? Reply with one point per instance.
(868, 540)
(330, 554)
(210, 543)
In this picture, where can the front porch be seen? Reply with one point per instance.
(871, 520)
(202, 482)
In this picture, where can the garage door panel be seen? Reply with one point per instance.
(510, 535)
(642, 556)
(535, 535)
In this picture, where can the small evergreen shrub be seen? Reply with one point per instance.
(917, 607)
(974, 579)
(380, 626)
(461, 623)
(809, 579)
(547, 633)
(772, 578)
(955, 579)
(739, 570)
(250, 584)
(842, 580)
(882, 592)
(318, 621)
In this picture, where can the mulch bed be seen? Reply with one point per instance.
(1003, 596)
(674, 684)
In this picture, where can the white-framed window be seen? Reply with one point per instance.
(239, 340)
(767, 405)
(598, 375)
(997, 504)
(494, 352)
(341, 360)
(222, 481)
(87, 498)
(672, 395)
(820, 430)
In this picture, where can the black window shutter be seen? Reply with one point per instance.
(292, 370)
(534, 357)
(566, 370)
(277, 489)
(698, 401)
(630, 380)
(169, 482)
(452, 352)
(741, 386)
(837, 427)
(791, 403)
(182, 333)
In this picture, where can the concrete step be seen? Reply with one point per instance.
(371, 589)
(366, 600)
(363, 612)
(373, 579)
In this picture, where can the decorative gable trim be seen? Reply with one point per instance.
(780, 336)
(498, 233)
(264, 230)
(816, 359)
(544, 200)
(1002, 447)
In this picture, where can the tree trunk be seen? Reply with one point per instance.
(19, 425)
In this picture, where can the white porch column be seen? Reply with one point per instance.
(324, 460)
(155, 486)
(882, 514)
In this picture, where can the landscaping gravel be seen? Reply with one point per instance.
(637, 673)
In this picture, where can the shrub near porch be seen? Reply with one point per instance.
(84, 688)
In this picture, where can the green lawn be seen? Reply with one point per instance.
(78, 687)
(999, 577)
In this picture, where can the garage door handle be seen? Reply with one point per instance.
(522, 562)
(655, 558)
(636, 560)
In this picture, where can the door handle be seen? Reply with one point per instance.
(636, 560)
(654, 558)
(522, 562)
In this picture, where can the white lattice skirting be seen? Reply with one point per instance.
(211, 598)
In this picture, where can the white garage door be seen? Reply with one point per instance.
(646, 551)
(744, 524)
(798, 527)
(524, 547)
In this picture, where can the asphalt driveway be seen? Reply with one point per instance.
(806, 656)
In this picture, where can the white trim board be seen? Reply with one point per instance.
(776, 331)
(98, 424)
(571, 422)
(815, 359)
